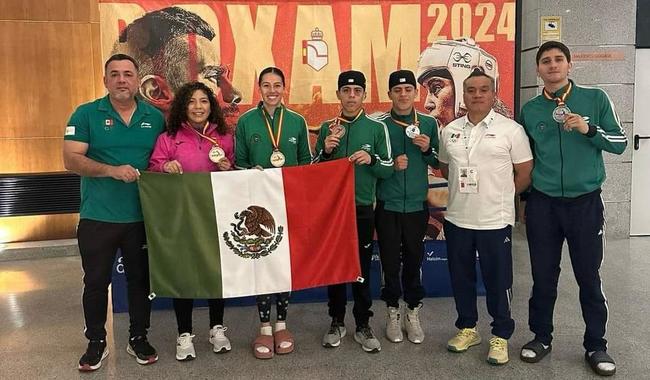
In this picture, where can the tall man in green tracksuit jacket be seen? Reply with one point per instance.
(402, 212)
(365, 142)
(569, 126)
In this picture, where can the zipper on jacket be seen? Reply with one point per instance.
(559, 131)
(347, 140)
(404, 201)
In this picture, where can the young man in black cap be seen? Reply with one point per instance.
(402, 211)
(365, 142)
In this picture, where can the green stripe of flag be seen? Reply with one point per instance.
(180, 222)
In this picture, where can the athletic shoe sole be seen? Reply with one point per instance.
(494, 361)
(457, 350)
(335, 344)
(366, 349)
(150, 360)
(332, 345)
(187, 358)
(221, 350)
(90, 368)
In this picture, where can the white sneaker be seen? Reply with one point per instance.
(219, 340)
(185, 347)
(393, 325)
(414, 331)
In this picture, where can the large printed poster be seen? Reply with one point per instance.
(225, 44)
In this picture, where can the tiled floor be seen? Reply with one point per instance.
(41, 332)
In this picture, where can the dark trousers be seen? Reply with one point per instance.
(549, 221)
(401, 247)
(360, 290)
(98, 245)
(281, 306)
(495, 258)
(183, 308)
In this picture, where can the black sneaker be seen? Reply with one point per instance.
(95, 353)
(140, 348)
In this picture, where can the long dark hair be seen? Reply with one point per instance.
(178, 110)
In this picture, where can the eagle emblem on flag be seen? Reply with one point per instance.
(253, 234)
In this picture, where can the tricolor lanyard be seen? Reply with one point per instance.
(202, 134)
(275, 139)
(559, 100)
(404, 125)
(340, 118)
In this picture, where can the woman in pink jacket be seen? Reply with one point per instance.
(197, 140)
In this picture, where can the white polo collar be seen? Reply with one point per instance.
(487, 120)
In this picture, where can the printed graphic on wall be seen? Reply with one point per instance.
(226, 44)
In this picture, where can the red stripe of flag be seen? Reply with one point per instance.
(322, 223)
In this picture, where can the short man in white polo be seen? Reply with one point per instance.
(486, 158)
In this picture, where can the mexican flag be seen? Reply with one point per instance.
(248, 232)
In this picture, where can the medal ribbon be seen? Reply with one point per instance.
(203, 135)
(340, 118)
(402, 124)
(558, 99)
(275, 140)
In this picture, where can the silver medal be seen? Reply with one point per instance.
(560, 113)
(412, 131)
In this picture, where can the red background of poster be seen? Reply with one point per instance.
(443, 20)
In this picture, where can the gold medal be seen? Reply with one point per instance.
(277, 159)
(216, 154)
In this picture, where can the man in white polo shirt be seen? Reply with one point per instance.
(486, 158)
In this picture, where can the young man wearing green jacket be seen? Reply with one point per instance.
(365, 142)
(569, 126)
(402, 211)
